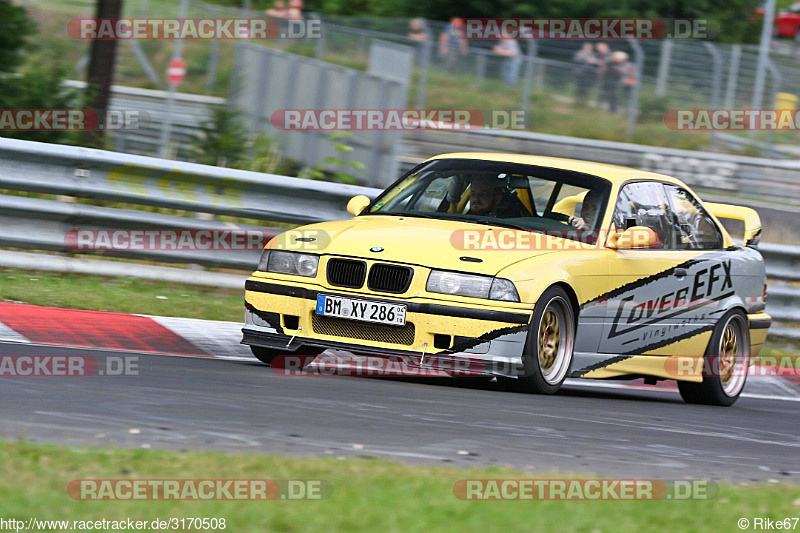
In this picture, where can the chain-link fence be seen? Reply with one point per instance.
(471, 75)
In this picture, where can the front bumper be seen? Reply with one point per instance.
(449, 336)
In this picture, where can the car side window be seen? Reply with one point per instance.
(694, 227)
(645, 203)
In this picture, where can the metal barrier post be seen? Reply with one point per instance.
(716, 84)
(213, 60)
(424, 68)
(777, 81)
(663, 67)
(633, 103)
(176, 53)
(733, 76)
(527, 86)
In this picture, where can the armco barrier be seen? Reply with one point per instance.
(90, 173)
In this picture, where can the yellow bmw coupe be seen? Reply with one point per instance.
(530, 269)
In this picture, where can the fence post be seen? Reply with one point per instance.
(733, 76)
(177, 51)
(716, 80)
(527, 86)
(213, 60)
(374, 165)
(319, 48)
(763, 57)
(777, 81)
(633, 103)
(422, 84)
(481, 65)
(663, 67)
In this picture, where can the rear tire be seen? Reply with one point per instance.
(727, 360)
(551, 340)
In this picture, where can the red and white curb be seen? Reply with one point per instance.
(30, 324)
(77, 328)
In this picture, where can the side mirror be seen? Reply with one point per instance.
(357, 204)
(635, 237)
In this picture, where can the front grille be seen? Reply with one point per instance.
(342, 327)
(389, 278)
(346, 273)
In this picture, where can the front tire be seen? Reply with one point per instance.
(727, 360)
(551, 340)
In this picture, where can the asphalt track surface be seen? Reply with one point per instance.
(237, 406)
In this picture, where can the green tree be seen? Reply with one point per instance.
(39, 85)
(15, 28)
(34, 89)
(222, 140)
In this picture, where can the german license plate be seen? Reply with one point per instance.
(364, 310)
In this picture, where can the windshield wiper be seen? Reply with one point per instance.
(405, 214)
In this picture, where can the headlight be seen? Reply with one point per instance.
(289, 263)
(471, 285)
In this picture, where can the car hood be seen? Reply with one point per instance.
(419, 241)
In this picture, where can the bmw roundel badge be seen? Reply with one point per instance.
(376, 249)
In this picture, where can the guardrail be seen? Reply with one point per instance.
(98, 174)
(41, 224)
(189, 113)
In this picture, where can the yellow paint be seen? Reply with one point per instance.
(752, 222)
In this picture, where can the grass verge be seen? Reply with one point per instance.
(368, 494)
(121, 294)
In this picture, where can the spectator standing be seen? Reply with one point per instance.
(621, 72)
(296, 10)
(278, 11)
(509, 49)
(602, 56)
(452, 43)
(585, 65)
(627, 72)
(417, 31)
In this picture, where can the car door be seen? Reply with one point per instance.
(653, 302)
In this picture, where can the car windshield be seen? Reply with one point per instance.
(526, 197)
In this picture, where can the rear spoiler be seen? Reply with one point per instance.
(752, 222)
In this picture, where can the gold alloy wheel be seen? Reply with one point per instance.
(734, 356)
(554, 336)
(728, 350)
(549, 339)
